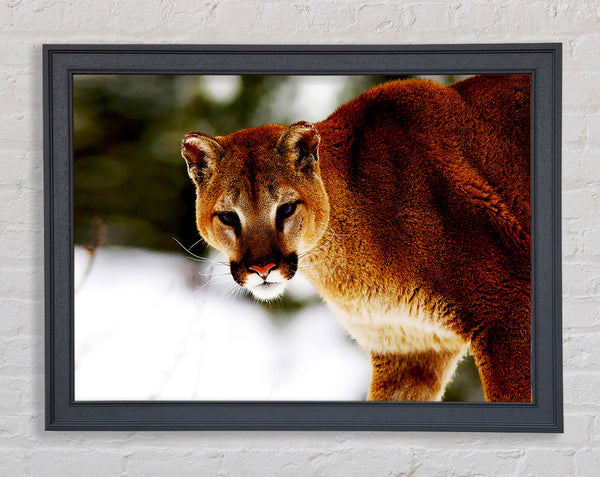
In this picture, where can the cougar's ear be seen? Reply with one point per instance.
(301, 141)
(202, 154)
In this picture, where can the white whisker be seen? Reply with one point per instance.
(314, 249)
(198, 258)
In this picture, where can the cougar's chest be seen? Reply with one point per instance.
(379, 309)
(404, 327)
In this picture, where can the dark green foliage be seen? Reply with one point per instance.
(466, 385)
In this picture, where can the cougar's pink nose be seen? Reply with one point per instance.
(262, 271)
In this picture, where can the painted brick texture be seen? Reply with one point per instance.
(25, 449)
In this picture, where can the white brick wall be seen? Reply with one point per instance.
(25, 449)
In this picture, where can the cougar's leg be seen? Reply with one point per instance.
(416, 376)
(503, 356)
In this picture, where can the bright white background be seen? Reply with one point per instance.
(25, 449)
(159, 326)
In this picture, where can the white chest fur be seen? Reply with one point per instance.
(402, 329)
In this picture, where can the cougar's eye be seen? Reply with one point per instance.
(286, 210)
(228, 218)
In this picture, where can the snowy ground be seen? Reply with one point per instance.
(147, 326)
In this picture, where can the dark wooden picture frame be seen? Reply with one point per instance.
(541, 61)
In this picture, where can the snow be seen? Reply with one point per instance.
(221, 88)
(307, 98)
(152, 326)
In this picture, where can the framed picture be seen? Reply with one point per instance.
(303, 237)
